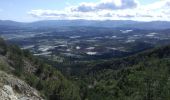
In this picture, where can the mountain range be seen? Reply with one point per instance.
(122, 24)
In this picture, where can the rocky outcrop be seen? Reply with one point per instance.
(12, 88)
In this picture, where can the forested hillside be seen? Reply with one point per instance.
(144, 76)
(46, 79)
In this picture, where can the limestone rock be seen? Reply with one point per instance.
(12, 88)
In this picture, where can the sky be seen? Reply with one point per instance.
(34, 10)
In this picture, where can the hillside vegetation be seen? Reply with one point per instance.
(46, 79)
(144, 76)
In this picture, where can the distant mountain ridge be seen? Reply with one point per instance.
(122, 24)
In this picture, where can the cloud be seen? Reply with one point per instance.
(162, 4)
(83, 7)
(47, 13)
(110, 10)
(106, 5)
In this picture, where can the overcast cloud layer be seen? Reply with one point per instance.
(109, 10)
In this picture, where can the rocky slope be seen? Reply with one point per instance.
(12, 88)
